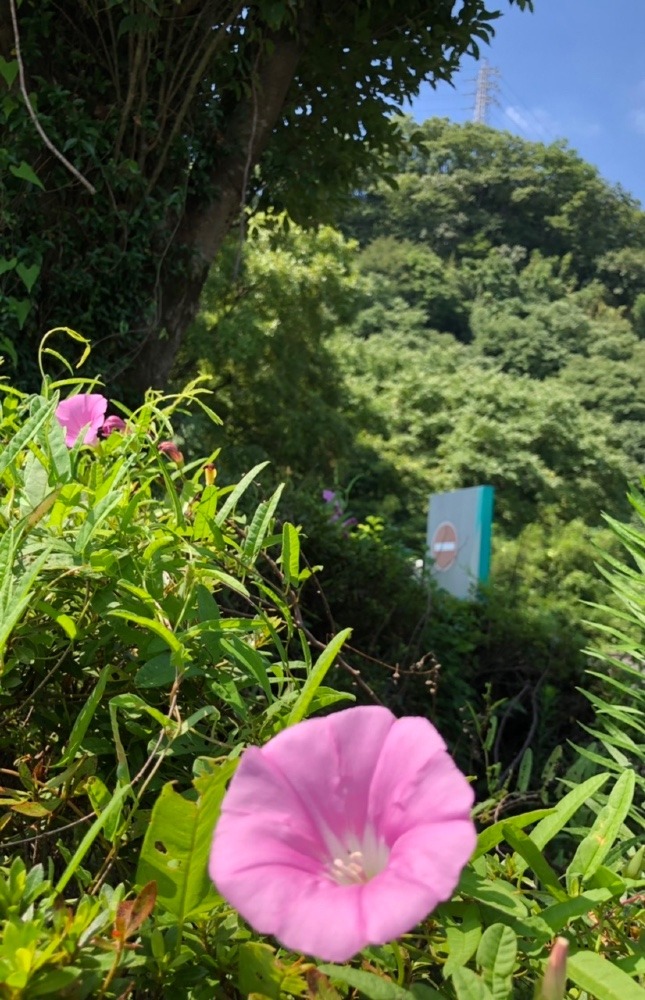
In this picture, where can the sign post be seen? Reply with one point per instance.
(459, 539)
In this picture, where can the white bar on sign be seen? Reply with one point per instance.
(445, 546)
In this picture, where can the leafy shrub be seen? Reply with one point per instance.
(149, 631)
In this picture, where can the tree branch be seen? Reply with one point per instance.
(32, 114)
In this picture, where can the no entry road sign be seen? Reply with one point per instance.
(443, 547)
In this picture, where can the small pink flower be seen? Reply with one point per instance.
(84, 412)
(170, 449)
(112, 423)
(343, 832)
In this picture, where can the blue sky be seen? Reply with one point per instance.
(574, 70)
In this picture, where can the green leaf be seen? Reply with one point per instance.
(469, 986)
(25, 173)
(41, 411)
(229, 506)
(20, 308)
(317, 676)
(85, 716)
(8, 70)
(533, 856)
(601, 979)
(257, 971)
(494, 835)
(600, 839)
(151, 625)
(493, 892)
(290, 558)
(91, 835)
(557, 917)
(462, 940)
(373, 987)
(28, 275)
(567, 807)
(177, 845)
(253, 662)
(260, 525)
(6, 263)
(100, 798)
(496, 955)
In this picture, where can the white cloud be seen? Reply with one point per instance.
(637, 120)
(534, 123)
(636, 114)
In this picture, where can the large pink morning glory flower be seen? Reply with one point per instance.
(343, 831)
(85, 411)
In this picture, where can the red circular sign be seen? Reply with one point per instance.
(443, 547)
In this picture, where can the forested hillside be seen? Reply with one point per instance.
(477, 317)
(479, 320)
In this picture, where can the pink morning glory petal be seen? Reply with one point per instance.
(402, 797)
(82, 413)
(343, 831)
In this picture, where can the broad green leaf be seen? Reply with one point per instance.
(601, 979)
(8, 70)
(317, 676)
(257, 971)
(462, 940)
(20, 308)
(493, 892)
(28, 275)
(469, 986)
(372, 987)
(7, 263)
(496, 956)
(600, 839)
(177, 845)
(26, 173)
(156, 672)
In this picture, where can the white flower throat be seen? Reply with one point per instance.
(357, 859)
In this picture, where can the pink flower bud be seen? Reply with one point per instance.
(170, 449)
(554, 983)
(112, 423)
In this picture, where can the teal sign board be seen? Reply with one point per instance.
(459, 538)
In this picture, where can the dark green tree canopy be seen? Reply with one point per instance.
(177, 113)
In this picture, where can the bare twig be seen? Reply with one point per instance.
(48, 833)
(32, 114)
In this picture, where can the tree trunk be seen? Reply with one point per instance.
(204, 227)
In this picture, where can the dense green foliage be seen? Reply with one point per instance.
(166, 107)
(150, 630)
(409, 363)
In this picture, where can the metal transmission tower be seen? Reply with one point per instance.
(486, 93)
